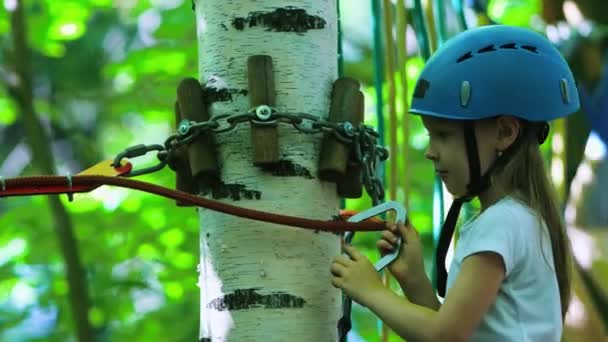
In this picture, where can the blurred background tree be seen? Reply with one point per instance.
(103, 75)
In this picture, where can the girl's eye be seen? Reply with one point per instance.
(438, 134)
(443, 135)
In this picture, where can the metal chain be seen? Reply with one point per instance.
(363, 139)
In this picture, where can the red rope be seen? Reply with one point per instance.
(41, 185)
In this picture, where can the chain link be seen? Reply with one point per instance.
(363, 139)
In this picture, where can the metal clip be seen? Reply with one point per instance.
(375, 211)
(138, 151)
(344, 324)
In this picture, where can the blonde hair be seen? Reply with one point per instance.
(524, 177)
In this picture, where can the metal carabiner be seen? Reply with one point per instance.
(344, 323)
(375, 211)
(138, 151)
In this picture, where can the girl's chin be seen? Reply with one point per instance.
(456, 193)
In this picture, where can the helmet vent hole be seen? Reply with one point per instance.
(464, 57)
(508, 46)
(488, 48)
(530, 48)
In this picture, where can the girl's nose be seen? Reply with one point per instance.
(430, 154)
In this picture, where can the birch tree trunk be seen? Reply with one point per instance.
(260, 281)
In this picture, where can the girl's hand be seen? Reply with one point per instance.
(356, 276)
(410, 263)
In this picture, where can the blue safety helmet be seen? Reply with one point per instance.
(487, 72)
(496, 70)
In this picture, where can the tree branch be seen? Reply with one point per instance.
(552, 11)
(38, 141)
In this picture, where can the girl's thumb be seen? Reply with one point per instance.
(403, 229)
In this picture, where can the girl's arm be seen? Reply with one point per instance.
(472, 294)
(419, 290)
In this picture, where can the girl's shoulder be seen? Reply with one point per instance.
(508, 211)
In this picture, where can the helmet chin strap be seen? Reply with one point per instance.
(473, 188)
(478, 184)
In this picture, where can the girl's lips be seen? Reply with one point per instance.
(441, 174)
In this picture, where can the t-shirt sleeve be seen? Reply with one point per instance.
(497, 232)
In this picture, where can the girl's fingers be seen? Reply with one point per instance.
(337, 269)
(384, 246)
(405, 230)
(390, 226)
(389, 236)
(353, 252)
(342, 260)
(409, 228)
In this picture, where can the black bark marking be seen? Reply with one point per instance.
(221, 94)
(288, 19)
(213, 92)
(248, 298)
(287, 168)
(205, 339)
(235, 192)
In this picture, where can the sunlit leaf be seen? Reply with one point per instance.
(96, 316)
(147, 251)
(102, 3)
(4, 24)
(518, 13)
(60, 287)
(66, 30)
(174, 290)
(183, 260)
(172, 237)
(155, 218)
(7, 112)
(82, 204)
(169, 62)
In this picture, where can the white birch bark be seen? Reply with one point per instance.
(239, 254)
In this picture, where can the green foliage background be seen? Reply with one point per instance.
(105, 78)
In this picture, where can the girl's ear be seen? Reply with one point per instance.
(508, 130)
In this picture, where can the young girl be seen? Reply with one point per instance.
(485, 98)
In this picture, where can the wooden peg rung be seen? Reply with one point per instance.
(264, 138)
(181, 166)
(334, 154)
(351, 185)
(201, 151)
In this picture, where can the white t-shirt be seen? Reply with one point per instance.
(527, 307)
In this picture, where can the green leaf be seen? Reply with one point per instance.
(183, 261)
(96, 316)
(60, 287)
(172, 238)
(7, 112)
(155, 218)
(147, 251)
(174, 290)
(4, 24)
(514, 12)
(101, 3)
(66, 30)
